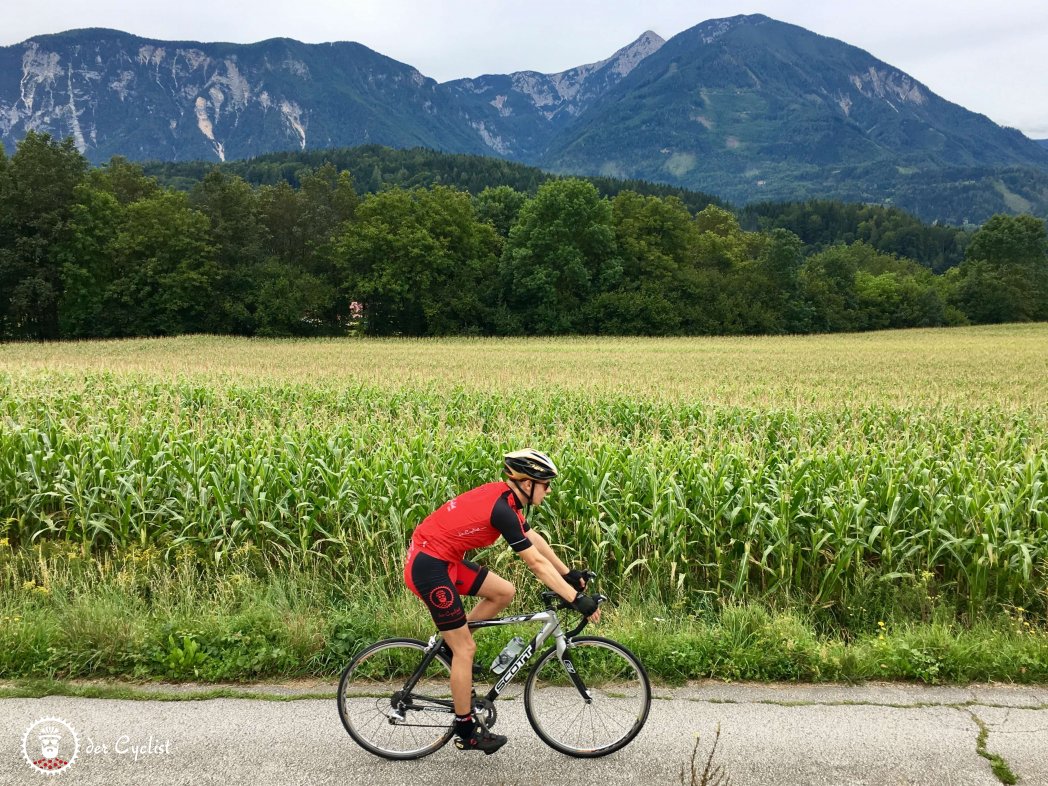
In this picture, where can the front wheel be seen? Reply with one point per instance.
(377, 713)
(618, 693)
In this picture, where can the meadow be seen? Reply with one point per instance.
(819, 507)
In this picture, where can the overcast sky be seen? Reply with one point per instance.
(988, 56)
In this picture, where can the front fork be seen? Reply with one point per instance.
(563, 650)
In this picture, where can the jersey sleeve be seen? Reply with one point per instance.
(507, 522)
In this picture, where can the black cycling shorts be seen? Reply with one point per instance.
(441, 585)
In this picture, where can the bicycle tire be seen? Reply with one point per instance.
(618, 686)
(367, 696)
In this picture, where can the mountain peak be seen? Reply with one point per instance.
(517, 114)
(712, 29)
(626, 59)
(623, 61)
(79, 34)
(749, 107)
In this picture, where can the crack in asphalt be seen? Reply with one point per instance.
(958, 705)
(142, 693)
(1000, 767)
(998, 764)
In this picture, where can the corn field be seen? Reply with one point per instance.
(785, 470)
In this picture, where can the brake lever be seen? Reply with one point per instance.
(583, 621)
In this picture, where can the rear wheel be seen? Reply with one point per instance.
(618, 691)
(380, 717)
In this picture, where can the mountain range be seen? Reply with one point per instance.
(747, 107)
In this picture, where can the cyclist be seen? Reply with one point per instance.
(437, 571)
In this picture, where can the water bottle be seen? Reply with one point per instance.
(509, 652)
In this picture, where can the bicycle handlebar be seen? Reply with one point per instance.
(552, 598)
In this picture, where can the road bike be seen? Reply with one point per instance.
(585, 696)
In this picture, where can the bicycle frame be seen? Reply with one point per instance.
(550, 627)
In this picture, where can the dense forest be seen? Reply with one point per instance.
(377, 242)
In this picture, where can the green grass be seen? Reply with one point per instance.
(42, 688)
(138, 617)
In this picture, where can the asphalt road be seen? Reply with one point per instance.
(770, 734)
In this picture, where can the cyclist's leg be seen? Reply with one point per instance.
(462, 645)
(469, 578)
(430, 579)
(495, 592)
(433, 580)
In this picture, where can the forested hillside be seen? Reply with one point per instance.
(822, 223)
(374, 168)
(110, 252)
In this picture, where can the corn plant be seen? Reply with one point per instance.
(760, 471)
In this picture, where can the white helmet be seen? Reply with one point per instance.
(529, 464)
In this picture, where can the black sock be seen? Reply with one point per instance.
(464, 726)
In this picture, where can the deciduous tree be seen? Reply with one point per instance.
(560, 255)
(36, 200)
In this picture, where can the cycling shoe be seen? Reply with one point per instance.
(481, 740)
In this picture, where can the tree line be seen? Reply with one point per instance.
(109, 252)
(374, 168)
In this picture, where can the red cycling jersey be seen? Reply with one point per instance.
(471, 521)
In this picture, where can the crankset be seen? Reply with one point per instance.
(484, 711)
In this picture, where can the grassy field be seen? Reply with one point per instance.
(803, 507)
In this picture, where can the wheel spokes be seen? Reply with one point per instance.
(382, 720)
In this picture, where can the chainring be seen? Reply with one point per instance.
(484, 711)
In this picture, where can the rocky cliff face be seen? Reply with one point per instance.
(119, 94)
(154, 98)
(568, 92)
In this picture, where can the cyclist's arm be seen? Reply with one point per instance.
(547, 573)
(519, 537)
(510, 525)
(546, 551)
